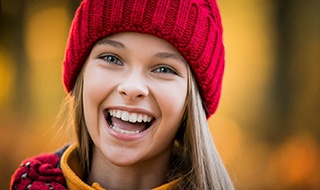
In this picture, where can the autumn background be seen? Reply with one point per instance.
(267, 128)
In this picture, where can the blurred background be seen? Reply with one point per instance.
(267, 128)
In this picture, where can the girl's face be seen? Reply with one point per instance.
(134, 93)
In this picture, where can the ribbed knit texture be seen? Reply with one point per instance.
(192, 26)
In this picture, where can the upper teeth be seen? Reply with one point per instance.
(131, 117)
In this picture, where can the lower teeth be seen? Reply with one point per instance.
(116, 129)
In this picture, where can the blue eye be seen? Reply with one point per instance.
(111, 59)
(165, 70)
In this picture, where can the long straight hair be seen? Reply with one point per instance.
(204, 168)
(196, 163)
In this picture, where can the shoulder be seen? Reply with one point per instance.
(40, 172)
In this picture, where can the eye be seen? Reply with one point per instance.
(165, 70)
(111, 59)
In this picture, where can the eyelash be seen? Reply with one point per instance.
(115, 60)
(111, 59)
(165, 70)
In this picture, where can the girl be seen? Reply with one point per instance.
(143, 77)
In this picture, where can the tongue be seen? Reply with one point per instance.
(128, 125)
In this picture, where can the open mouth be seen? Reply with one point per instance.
(128, 123)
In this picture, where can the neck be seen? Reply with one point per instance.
(142, 175)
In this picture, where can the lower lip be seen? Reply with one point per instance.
(126, 137)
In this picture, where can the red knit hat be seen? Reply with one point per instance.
(191, 26)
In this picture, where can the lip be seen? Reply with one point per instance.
(128, 137)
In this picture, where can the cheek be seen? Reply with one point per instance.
(171, 100)
(90, 106)
(97, 84)
(95, 90)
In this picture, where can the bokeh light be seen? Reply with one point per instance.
(266, 129)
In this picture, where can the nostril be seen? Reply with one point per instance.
(133, 90)
(133, 93)
(140, 96)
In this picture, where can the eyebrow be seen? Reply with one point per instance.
(167, 55)
(113, 43)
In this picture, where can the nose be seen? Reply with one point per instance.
(133, 87)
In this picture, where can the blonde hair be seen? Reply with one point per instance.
(195, 160)
(206, 169)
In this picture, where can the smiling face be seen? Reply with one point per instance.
(134, 93)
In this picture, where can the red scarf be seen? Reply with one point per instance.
(40, 172)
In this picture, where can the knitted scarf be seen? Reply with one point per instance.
(40, 172)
